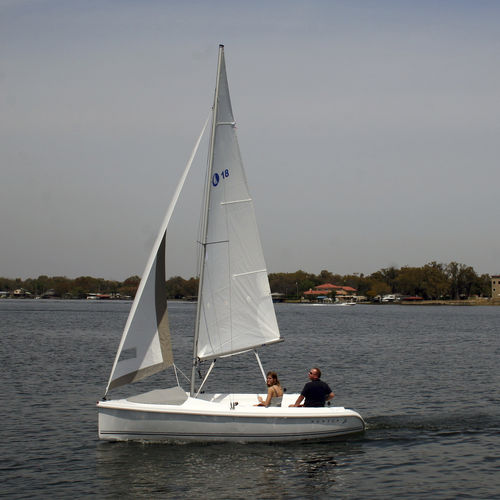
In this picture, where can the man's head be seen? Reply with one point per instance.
(314, 373)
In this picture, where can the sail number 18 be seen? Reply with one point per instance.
(216, 178)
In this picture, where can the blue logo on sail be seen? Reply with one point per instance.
(215, 180)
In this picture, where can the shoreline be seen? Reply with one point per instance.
(468, 302)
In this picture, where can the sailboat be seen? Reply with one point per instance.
(235, 314)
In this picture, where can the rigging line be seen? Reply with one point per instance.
(176, 377)
(201, 222)
(206, 377)
(260, 365)
(182, 373)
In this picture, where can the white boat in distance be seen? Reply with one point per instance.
(235, 314)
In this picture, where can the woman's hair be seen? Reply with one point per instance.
(274, 375)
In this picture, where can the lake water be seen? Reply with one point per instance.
(426, 379)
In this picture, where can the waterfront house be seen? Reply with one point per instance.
(341, 292)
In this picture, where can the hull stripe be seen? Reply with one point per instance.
(179, 435)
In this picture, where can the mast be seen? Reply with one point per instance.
(204, 223)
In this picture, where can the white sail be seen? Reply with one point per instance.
(236, 312)
(145, 347)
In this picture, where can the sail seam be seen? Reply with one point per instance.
(214, 242)
(246, 200)
(250, 272)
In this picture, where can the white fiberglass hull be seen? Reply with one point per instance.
(211, 419)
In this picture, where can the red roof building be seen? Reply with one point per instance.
(328, 288)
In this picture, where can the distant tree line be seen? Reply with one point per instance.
(81, 287)
(78, 288)
(432, 281)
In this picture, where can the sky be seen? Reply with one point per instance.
(370, 131)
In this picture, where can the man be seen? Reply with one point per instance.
(316, 392)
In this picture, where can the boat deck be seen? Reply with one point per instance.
(176, 400)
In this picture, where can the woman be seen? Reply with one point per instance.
(274, 391)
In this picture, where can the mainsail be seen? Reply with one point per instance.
(236, 312)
